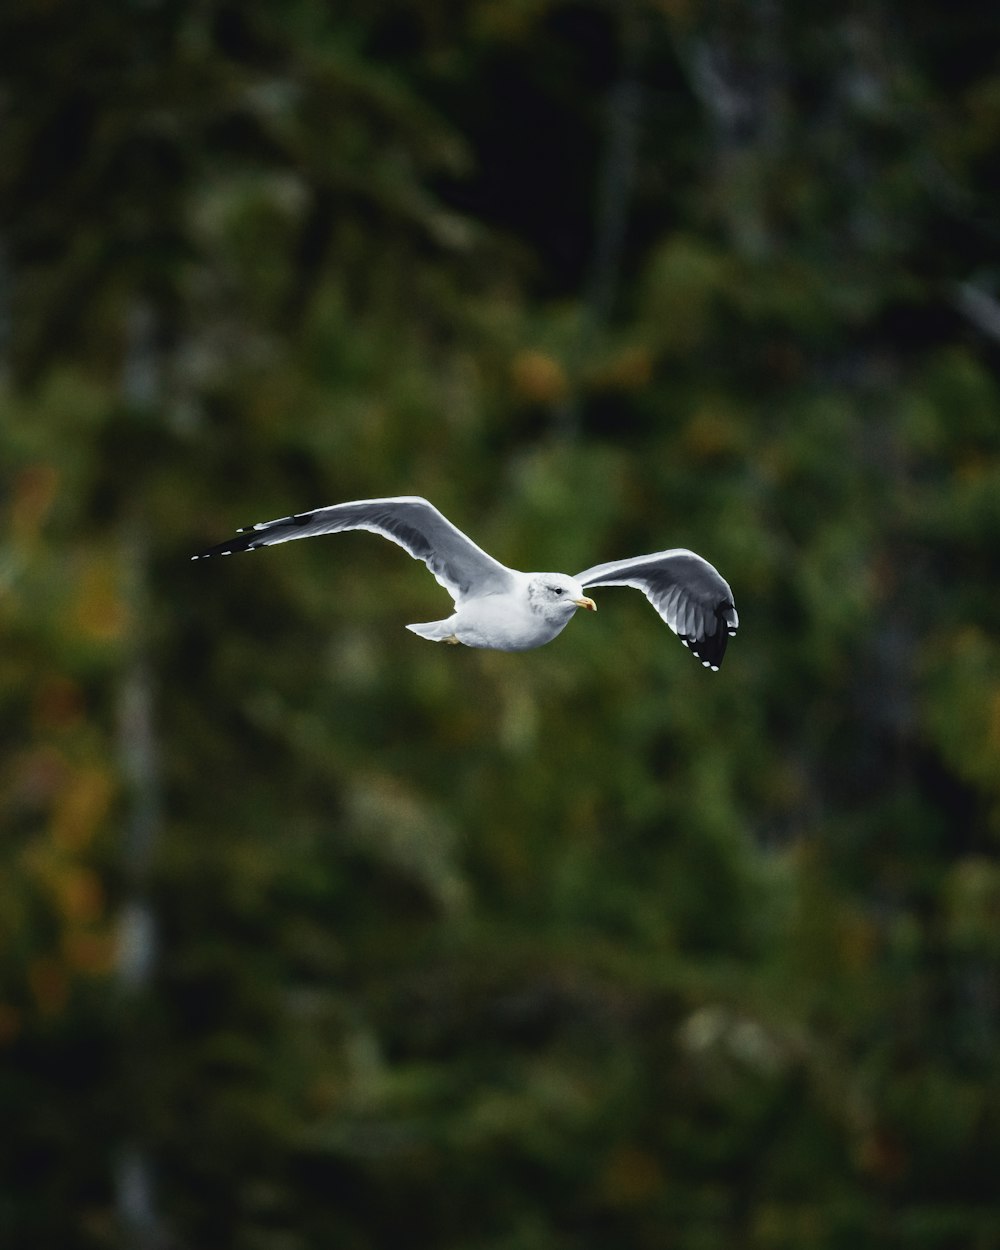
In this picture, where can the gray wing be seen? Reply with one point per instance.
(409, 521)
(691, 596)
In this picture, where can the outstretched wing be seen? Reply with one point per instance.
(690, 595)
(409, 521)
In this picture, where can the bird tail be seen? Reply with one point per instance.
(434, 631)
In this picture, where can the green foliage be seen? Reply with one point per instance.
(580, 948)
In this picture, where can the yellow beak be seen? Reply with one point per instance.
(589, 604)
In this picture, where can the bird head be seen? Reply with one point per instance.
(554, 595)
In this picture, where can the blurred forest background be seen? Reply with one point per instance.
(315, 935)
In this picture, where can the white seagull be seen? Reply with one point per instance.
(506, 610)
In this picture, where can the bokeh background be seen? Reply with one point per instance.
(313, 934)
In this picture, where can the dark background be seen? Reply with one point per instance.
(315, 935)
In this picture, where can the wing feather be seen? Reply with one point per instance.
(412, 523)
(692, 597)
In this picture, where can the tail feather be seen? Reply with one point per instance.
(434, 631)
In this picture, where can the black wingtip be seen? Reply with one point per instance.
(711, 649)
(242, 542)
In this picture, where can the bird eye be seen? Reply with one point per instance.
(556, 590)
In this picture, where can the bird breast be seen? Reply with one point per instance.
(505, 623)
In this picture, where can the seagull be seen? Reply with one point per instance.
(502, 609)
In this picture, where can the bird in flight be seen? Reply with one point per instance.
(503, 609)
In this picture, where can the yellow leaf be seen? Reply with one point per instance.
(93, 953)
(80, 895)
(630, 370)
(539, 378)
(99, 611)
(33, 494)
(80, 809)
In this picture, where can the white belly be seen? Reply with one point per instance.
(501, 623)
